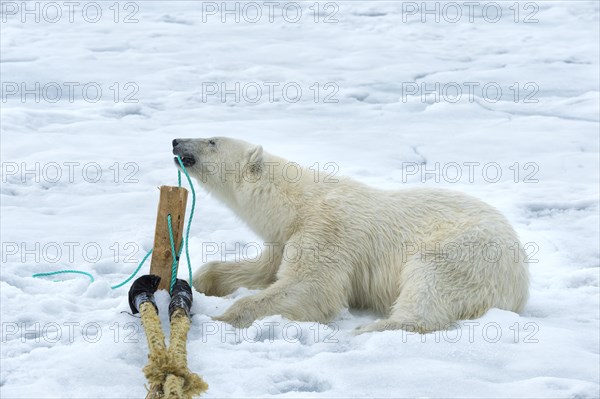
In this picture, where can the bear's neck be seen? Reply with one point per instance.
(269, 206)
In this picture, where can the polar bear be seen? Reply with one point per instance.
(423, 258)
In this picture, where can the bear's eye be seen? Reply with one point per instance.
(212, 142)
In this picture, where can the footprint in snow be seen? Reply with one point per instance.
(298, 382)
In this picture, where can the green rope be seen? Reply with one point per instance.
(175, 265)
(134, 272)
(62, 272)
(175, 258)
(187, 231)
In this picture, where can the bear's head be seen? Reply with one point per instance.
(222, 165)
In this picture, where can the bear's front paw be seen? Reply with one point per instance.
(209, 280)
(241, 314)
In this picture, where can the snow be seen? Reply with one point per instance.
(74, 339)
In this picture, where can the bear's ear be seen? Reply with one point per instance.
(255, 154)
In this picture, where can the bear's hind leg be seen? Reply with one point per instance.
(403, 318)
(420, 307)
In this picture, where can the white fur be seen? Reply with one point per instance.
(424, 258)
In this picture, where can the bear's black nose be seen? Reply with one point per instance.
(175, 142)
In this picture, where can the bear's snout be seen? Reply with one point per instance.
(186, 158)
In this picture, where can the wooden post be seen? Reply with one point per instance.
(172, 201)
